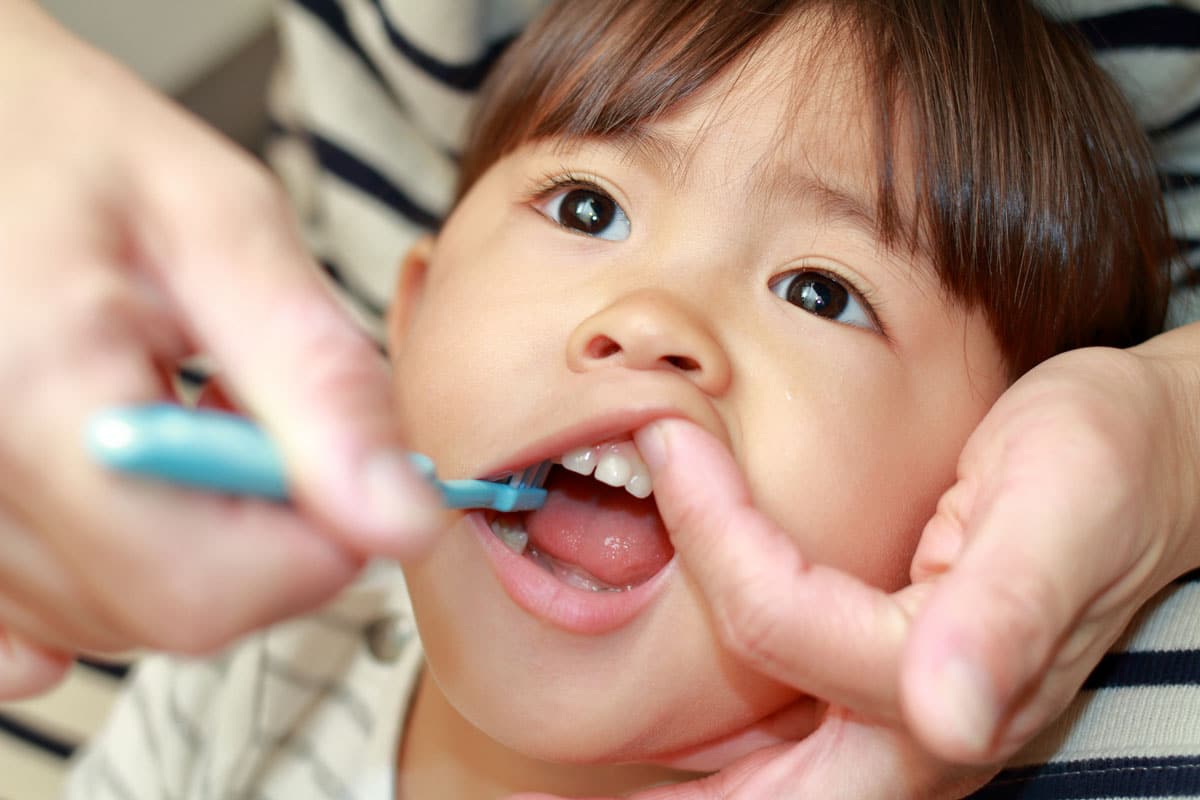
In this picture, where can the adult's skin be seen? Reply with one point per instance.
(1090, 460)
(130, 236)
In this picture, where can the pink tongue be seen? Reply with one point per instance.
(608, 532)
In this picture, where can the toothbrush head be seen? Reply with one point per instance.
(531, 477)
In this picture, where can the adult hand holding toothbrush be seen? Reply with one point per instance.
(131, 236)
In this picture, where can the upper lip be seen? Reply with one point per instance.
(606, 422)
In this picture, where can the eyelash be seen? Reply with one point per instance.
(871, 302)
(550, 183)
(866, 299)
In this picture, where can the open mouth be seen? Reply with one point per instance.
(599, 529)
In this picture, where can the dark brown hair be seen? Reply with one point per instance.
(1036, 195)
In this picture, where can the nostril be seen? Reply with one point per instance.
(602, 347)
(682, 363)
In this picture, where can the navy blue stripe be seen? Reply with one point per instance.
(1152, 26)
(46, 742)
(364, 177)
(356, 293)
(194, 377)
(1177, 124)
(1191, 278)
(464, 77)
(1146, 668)
(109, 668)
(1095, 778)
(1179, 181)
(330, 13)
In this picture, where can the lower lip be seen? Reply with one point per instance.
(542, 595)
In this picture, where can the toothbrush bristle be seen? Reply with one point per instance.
(532, 477)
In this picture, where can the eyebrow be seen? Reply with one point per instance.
(669, 154)
(833, 203)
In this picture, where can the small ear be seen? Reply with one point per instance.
(409, 285)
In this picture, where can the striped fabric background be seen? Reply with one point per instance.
(1146, 692)
(369, 112)
(36, 736)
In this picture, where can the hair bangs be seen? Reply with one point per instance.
(1004, 156)
(608, 69)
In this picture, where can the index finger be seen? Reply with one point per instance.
(234, 265)
(829, 763)
(813, 627)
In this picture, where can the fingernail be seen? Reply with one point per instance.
(400, 502)
(27, 669)
(652, 445)
(969, 705)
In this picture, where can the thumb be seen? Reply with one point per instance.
(235, 268)
(808, 625)
(988, 634)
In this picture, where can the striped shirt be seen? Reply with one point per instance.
(370, 108)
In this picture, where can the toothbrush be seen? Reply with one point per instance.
(228, 453)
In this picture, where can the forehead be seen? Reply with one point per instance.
(795, 104)
(791, 122)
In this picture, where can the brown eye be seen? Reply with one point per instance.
(586, 211)
(824, 296)
(589, 211)
(817, 294)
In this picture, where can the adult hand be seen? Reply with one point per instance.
(131, 236)
(1075, 503)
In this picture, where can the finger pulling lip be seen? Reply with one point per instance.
(620, 421)
(542, 595)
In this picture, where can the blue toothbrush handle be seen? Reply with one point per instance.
(192, 447)
(227, 453)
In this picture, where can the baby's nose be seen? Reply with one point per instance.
(648, 330)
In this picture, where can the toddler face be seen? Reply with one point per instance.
(722, 267)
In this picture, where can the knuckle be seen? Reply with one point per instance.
(682, 514)
(749, 624)
(98, 307)
(339, 361)
(1092, 447)
(256, 197)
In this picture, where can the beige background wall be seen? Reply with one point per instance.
(171, 43)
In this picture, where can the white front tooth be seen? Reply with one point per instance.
(640, 485)
(614, 469)
(581, 460)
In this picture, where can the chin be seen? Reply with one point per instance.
(656, 685)
(602, 728)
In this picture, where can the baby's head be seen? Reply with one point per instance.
(830, 233)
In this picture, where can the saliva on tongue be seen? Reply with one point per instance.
(606, 532)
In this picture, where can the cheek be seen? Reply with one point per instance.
(855, 478)
(454, 363)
